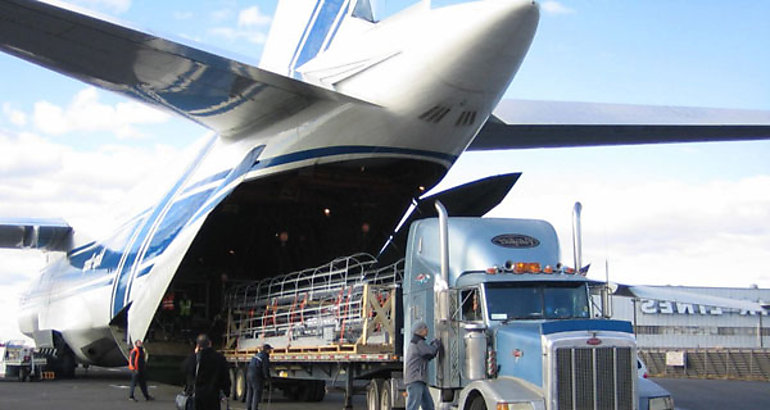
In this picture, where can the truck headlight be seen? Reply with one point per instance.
(515, 406)
(661, 403)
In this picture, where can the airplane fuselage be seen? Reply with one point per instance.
(431, 79)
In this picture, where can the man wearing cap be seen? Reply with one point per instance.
(418, 354)
(257, 374)
(207, 371)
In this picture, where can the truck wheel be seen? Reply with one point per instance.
(231, 393)
(291, 392)
(240, 385)
(306, 391)
(23, 374)
(373, 395)
(319, 391)
(478, 404)
(386, 402)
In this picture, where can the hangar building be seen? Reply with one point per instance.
(671, 324)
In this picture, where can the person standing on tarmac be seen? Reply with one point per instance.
(207, 371)
(257, 375)
(418, 354)
(137, 363)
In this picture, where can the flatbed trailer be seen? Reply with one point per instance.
(334, 324)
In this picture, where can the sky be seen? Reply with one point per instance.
(674, 214)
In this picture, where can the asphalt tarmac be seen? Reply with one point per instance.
(99, 388)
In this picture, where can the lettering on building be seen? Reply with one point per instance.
(659, 307)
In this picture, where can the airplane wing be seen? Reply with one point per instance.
(551, 124)
(29, 233)
(219, 93)
(681, 296)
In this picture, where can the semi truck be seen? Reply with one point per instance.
(518, 328)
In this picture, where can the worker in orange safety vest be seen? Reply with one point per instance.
(137, 363)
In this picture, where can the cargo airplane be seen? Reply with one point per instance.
(316, 153)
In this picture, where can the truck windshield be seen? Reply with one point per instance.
(536, 300)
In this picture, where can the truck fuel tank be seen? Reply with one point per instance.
(475, 341)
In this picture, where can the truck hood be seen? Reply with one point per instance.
(519, 345)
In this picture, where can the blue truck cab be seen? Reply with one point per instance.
(517, 327)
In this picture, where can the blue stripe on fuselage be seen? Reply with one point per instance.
(122, 284)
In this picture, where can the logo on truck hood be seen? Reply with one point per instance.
(515, 240)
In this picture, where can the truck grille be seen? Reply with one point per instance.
(594, 378)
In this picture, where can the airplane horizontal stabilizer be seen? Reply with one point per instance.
(219, 93)
(29, 233)
(552, 124)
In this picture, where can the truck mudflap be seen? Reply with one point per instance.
(501, 390)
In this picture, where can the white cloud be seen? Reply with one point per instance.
(116, 6)
(16, 117)
(252, 17)
(555, 7)
(230, 34)
(221, 15)
(182, 15)
(86, 113)
(709, 233)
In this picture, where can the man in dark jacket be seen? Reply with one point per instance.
(137, 363)
(257, 374)
(418, 354)
(207, 372)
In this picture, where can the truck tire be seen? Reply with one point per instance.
(386, 402)
(306, 391)
(291, 392)
(23, 374)
(240, 385)
(231, 373)
(478, 404)
(319, 391)
(373, 394)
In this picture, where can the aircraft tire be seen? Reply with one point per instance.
(67, 365)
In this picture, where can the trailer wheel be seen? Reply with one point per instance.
(319, 390)
(478, 404)
(231, 373)
(240, 384)
(23, 374)
(386, 402)
(373, 395)
(291, 392)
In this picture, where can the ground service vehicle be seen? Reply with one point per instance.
(517, 327)
(20, 362)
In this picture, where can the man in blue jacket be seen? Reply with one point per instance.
(257, 374)
(418, 354)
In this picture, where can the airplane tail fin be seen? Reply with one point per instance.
(302, 29)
